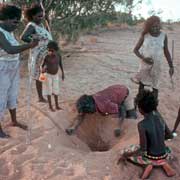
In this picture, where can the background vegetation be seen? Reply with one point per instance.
(70, 17)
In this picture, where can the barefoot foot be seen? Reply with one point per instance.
(22, 126)
(52, 109)
(42, 100)
(58, 108)
(4, 135)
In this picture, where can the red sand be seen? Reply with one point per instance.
(102, 59)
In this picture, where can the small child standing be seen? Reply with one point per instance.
(151, 47)
(50, 66)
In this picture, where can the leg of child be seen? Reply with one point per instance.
(122, 116)
(14, 120)
(56, 102)
(39, 91)
(177, 121)
(140, 90)
(50, 104)
(155, 92)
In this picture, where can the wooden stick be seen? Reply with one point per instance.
(172, 54)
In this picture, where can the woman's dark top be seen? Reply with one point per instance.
(153, 131)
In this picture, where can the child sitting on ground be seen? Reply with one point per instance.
(50, 66)
(153, 132)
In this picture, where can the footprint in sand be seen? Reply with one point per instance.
(4, 170)
(23, 159)
(19, 149)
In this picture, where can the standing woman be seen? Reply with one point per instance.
(35, 15)
(151, 48)
(10, 48)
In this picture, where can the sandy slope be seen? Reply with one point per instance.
(105, 58)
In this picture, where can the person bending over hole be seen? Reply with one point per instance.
(115, 99)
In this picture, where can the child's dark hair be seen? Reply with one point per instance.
(149, 22)
(147, 101)
(32, 11)
(8, 11)
(53, 45)
(86, 104)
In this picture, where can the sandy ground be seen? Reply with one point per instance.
(97, 60)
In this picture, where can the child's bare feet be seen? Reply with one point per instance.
(58, 108)
(42, 100)
(52, 109)
(22, 126)
(168, 169)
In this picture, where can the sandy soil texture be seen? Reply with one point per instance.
(96, 61)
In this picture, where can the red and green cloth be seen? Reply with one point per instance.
(142, 159)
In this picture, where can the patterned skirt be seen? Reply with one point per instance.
(143, 159)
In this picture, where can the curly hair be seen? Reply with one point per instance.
(8, 11)
(32, 11)
(86, 104)
(149, 22)
(53, 45)
(147, 101)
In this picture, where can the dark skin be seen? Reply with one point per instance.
(51, 65)
(28, 34)
(155, 32)
(143, 141)
(4, 43)
(81, 116)
(10, 25)
(76, 123)
(177, 121)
